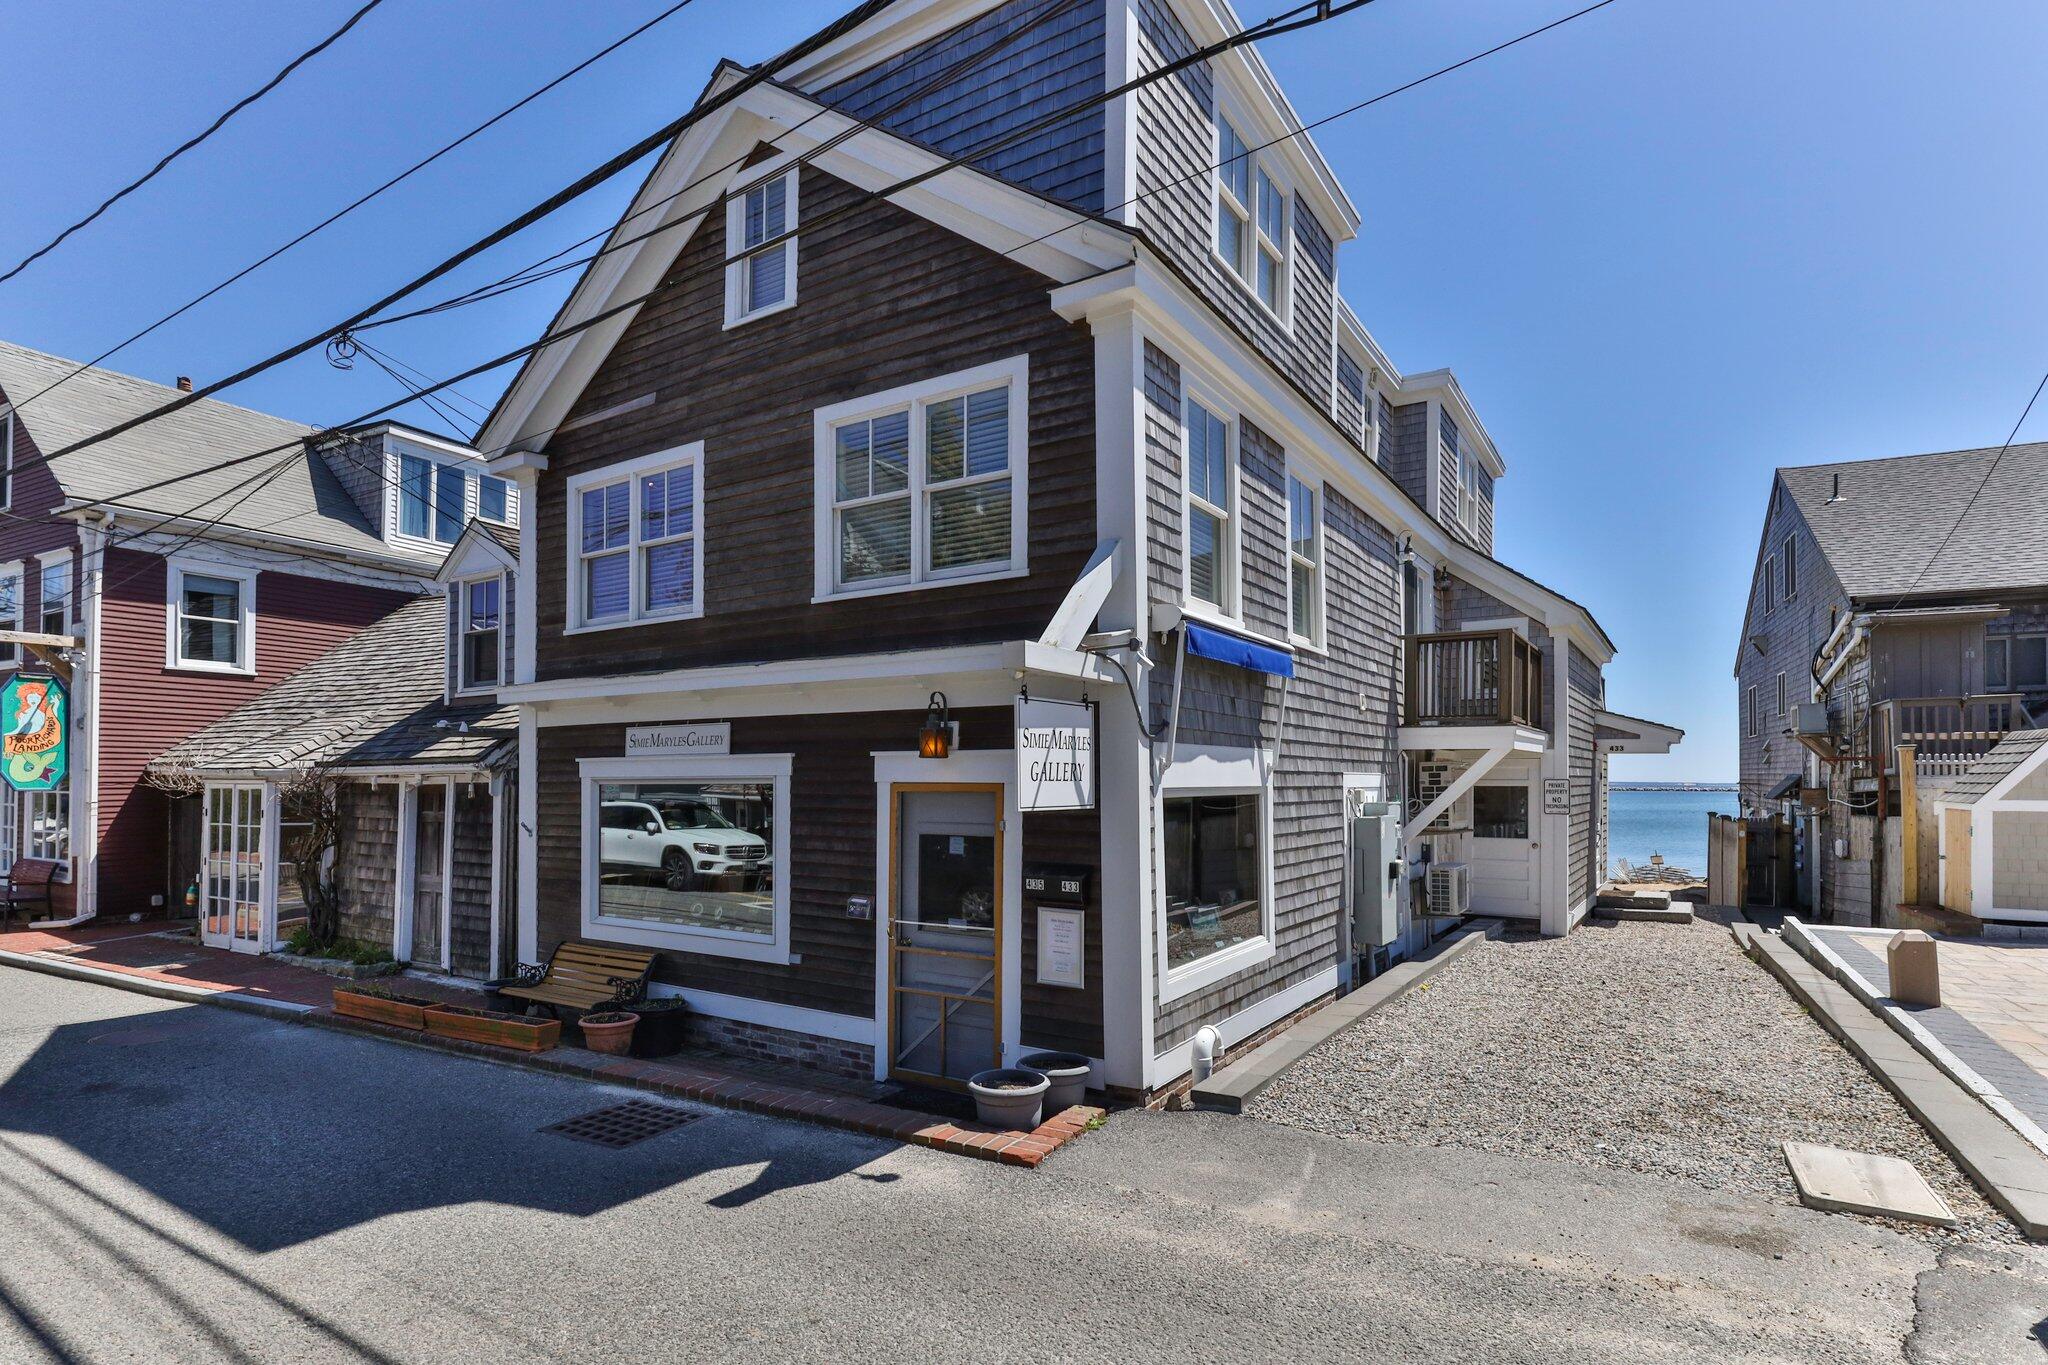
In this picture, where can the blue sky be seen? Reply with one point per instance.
(1666, 247)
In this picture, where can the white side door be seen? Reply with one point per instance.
(1503, 857)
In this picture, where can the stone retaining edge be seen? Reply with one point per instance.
(1229, 1089)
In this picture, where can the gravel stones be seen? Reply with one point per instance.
(1655, 1048)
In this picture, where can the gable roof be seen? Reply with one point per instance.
(304, 501)
(1893, 520)
(1986, 773)
(373, 698)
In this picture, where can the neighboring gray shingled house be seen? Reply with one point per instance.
(1909, 597)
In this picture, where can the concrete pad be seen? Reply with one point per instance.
(1648, 914)
(1633, 900)
(1864, 1182)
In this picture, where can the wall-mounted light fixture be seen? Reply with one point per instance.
(936, 739)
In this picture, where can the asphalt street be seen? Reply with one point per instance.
(188, 1183)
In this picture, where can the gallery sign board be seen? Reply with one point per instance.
(650, 741)
(1055, 755)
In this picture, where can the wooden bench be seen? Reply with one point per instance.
(581, 977)
(29, 882)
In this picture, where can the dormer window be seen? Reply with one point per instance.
(1251, 218)
(760, 272)
(493, 498)
(481, 633)
(437, 497)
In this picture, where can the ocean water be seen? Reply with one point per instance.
(1673, 823)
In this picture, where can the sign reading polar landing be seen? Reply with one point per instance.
(1055, 755)
(35, 715)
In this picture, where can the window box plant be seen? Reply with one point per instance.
(381, 1005)
(473, 1025)
(664, 1019)
(609, 1031)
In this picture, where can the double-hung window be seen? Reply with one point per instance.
(1212, 541)
(1791, 570)
(1270, 252)
(482, 631)
(1749, 718)
(1468, 493)
(1233, 197)
(1305, 561)
(493, 498)
(211, 611)
(433, 499)
(54, 602)
(760, 272)
(1770, 582)
(924, 484)
(10, 609)
(1251, 218)
(2013, 662)
(634, 540)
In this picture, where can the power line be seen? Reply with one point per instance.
(583, 183)
(189, 143)
(1982, 484)
(361, 200)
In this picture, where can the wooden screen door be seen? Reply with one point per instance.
(945, 932)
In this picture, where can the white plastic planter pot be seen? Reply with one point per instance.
(1009, 1097)
(1069, 1073)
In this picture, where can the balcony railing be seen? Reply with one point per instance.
(1474, 677)
(1947, 733)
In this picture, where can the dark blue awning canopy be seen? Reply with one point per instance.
(1207, 642)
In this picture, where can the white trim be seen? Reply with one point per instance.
(1174, 1063)
(497, 949)
(630, 472)
(1013, 372)
(47, 560)
(771, 768)
(739, 259)
(745, 1009)
(175, 569)
(527, 833)
(458, 665)
(402, 907)
(1319, 626)
(1195, 391)
(1201, 770)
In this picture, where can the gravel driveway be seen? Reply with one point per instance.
(1644, 1047)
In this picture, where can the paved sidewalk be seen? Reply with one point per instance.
(1994, 1011)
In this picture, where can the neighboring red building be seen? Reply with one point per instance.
(188, 589)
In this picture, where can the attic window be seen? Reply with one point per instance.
(760, 271)
(482, 632)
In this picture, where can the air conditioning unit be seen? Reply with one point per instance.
(1450, 890)
(1431, 778)
(1810, 718)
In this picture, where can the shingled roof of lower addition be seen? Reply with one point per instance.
(438, 736)
(2005, 758)
(1952, 521)
(381, 677)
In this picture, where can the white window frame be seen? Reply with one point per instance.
(1784, 698)
(1230, 611)
(1770, 583)
(739, 259)
(1246, 271)
(1312, 484)
(630, 473)
(174, 593)
(1214, 771)
(1749, 707)
(20, 808)
(46, 561)
(769, 768)
(916, 398)
(1790, 568)
(10, 655)
(1468, 490)
(1220, 190)
(464, 687)
(511, 517)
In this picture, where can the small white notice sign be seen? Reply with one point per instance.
(1557, 796)
(1055, 755)
(709, 737)
(1062, 945)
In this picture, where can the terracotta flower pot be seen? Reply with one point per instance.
(610, 1033)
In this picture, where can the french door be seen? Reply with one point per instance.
(945, 932)
(231, 891)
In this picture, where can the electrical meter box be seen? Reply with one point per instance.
(1379, 876)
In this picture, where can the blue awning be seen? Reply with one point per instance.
(1207, 642)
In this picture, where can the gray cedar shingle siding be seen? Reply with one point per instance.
(1401, 442)
(1582, 759)
(469, 905)
(1447, 471)
(1351, 397)
(1482, 522)
(1175, 210)
(1263, 537)
(1163, 485)
(366, 862)
(1059, 63)
(1790, 634)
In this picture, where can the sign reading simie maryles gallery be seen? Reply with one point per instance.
(1055, 755)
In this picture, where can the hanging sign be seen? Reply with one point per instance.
(644, 741)
(35, 717)
(1055, 755)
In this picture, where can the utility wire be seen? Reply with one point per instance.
(361, 200)
(660, 137)
(1982, 484)
(189, 143)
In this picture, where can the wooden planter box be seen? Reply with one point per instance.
(381, 1009)
(489, 1026)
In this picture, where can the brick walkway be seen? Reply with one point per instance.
(153, 953)
(1994, 1010)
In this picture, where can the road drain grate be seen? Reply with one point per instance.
(622, 1125)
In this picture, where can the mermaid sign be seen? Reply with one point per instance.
(35, 716)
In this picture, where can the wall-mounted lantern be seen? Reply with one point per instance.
(936, 739)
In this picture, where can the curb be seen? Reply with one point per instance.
(1229, 1089)
(285, 1011)
(848, 1112)
(2012, 1175)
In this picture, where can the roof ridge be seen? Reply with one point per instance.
(1922, 455)
(174, 391)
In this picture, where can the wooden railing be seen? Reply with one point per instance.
(1947, 733)
(1474, 677)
